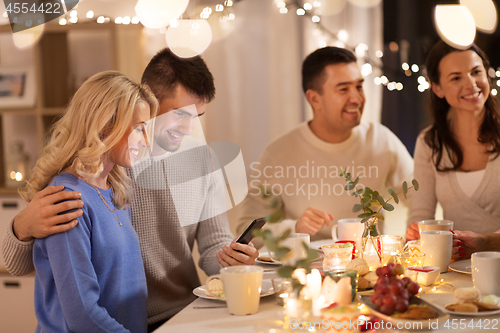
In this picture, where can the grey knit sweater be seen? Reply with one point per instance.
(166, 243)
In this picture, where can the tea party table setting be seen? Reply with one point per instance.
(206, 315)
(212, 314)
(357, 281)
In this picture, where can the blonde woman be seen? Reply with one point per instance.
(91, 278)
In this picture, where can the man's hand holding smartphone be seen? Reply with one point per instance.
(241, 251)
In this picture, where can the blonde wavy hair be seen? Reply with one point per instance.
(97, 117)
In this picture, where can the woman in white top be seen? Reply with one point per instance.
(456, 160)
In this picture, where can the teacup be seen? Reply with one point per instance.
(437, 246)
(486, 272)
(348, 229)
(425, 225)
(242, 287)
(295, 242)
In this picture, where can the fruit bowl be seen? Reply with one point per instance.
(410, 324)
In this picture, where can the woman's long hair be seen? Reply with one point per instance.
(439, 137)
(98, 116)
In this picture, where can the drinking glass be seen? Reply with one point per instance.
(410, 259)
(392, 246)
(283, 288)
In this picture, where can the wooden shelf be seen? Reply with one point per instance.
(52, 111)
(24, 112)
(54, 68)
(54, 26)
(8, 191)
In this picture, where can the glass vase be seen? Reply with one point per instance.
(371, 244)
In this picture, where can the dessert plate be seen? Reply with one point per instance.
(462, 266)
(262, 259)
(416, 324)
(471, 314)
(267, 289)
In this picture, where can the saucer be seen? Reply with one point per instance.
(462, 266)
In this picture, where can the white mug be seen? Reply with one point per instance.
(349, 229)
(425, 225)
(242, 287)
(437, 246)
(486, 272)
(294, 243)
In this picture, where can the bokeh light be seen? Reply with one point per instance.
(332, 7)
(455, 24)
(365, 3)
(484, 13)
(189, 38)
(155, 14)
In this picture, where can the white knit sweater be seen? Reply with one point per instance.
(479, 212)
(302, 170)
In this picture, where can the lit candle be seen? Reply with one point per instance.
(313, 284)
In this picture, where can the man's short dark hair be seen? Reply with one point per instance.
(313, 75)
(166, 71)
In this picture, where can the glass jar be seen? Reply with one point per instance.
(17, 165)
(371, 244)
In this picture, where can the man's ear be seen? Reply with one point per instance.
(436, 88)
(313, 98)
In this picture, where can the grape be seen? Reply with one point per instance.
(377, 299)
(390, 300)
(407, 281)
(383, 289)
(392, 293)
(413, 288)
(398, 269)
(383, 280)
(405, 294)
(387, 310)
(401, 305)
(386, 271)
(396, 287)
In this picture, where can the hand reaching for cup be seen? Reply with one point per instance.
(467, 242)
(312, 220)
(412, 232)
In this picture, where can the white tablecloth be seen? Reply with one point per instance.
(218, 320)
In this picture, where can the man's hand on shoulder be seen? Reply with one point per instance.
(312, 220)
(228, 256)
(39, 219)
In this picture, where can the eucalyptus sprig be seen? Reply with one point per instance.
(273, 243)
(371, 201)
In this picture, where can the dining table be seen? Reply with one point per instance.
(212, 316)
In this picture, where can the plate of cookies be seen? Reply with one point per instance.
(265, 258)
(468, 302)
(472, 309)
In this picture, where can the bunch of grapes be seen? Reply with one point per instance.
(392, 294)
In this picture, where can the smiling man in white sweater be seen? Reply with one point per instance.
(302, 168)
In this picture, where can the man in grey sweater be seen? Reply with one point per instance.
(182, 87)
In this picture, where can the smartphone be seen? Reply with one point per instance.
(247, 235)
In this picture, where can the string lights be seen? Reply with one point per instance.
(221, 20)
(484, 11)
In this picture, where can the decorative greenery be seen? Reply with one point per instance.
(371, 201)
(273, 243)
